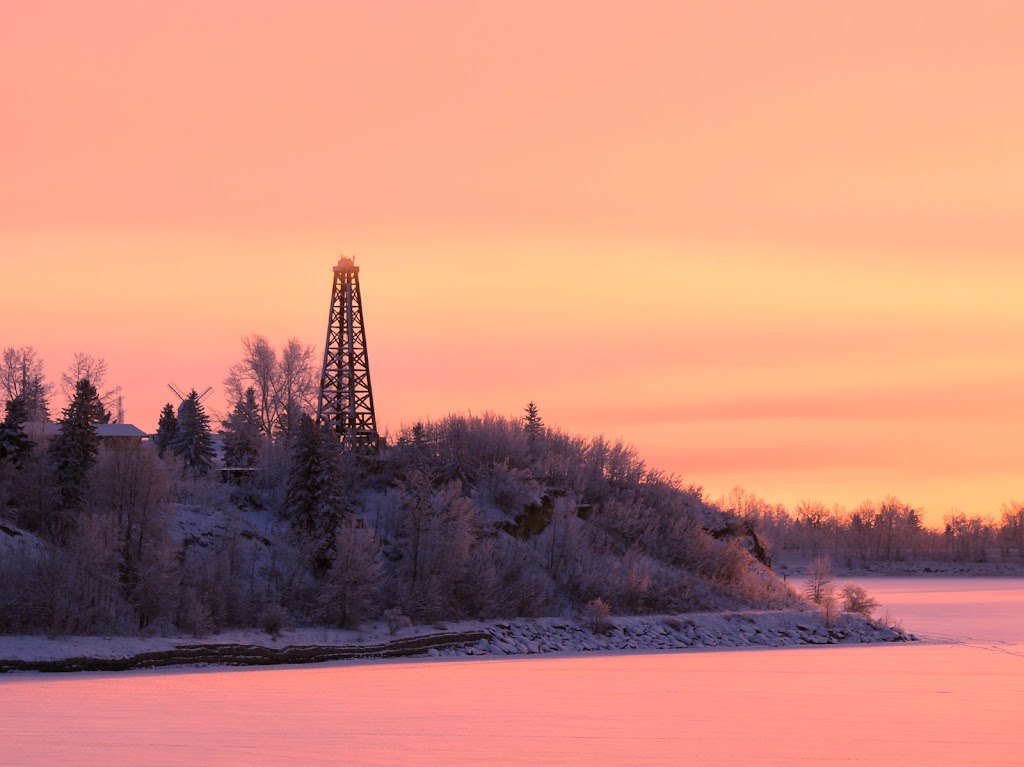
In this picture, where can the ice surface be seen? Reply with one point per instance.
(959, 609)
(953, 702)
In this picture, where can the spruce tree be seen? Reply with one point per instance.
(193, 442)
(289, 418)
(532, 422)
(74, 450)
(419, 434)
(534, 431)
(37, 399)
(14, 442)
(243, 438)
(314, 502)
(166, 429)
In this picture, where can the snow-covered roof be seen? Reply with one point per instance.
(119, 430)
(102, 430)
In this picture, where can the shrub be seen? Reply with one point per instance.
(397, 621)
(272, 619)
(857, 600)
(829, 606)
(597, 616)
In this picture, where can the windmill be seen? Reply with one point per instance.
(177, 392)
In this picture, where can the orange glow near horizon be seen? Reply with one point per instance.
(777, 246)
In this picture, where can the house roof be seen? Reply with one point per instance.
(103, 430)
(119, 430)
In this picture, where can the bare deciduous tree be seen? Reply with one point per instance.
(95, 370)
(21, 375)
(296, 383)
(819, 580)
(285, 386)
(1012, 529)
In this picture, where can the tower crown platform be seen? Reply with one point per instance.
(346, 264)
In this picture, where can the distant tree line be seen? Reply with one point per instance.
(889, 530)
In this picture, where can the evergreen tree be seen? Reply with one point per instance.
(74, 450)
(14, 442)
(534, 430)
(419, 434)
(102, 414)
(314, 501)
(289, 418)
(37, 399)
(242, 435)
(532, 422)
(194, 439)
(166, 429)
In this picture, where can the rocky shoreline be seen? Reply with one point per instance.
(696, 631)
(682, 632)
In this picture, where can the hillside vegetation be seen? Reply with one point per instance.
(466, 517)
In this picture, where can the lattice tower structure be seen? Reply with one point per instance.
(346, 397)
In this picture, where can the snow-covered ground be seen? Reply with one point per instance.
(795, 564)
(514, 637)
(954, 701)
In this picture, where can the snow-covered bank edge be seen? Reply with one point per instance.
(798, 567)
(498, 638)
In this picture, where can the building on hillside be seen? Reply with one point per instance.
(110, 433)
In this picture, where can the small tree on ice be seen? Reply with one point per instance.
(819, 580)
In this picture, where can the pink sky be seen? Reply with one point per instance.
(776, 244)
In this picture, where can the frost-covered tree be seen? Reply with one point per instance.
(288, 419)
(21, 375)
(296, 380)
(285, 383)
(14, 442)
(435, 531)
(193, 442)
(351, 589)
(132, 489)
(314, 502)
(166, 430)
(857, 600)
(1012, 529)
(242, 436)
(819, 586)
(95, 369)
(73, 451)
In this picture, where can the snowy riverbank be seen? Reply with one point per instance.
(696, 631)
(793, 565)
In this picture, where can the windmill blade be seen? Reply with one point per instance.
(206, 391)
(177, 391)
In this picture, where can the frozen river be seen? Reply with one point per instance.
(958, 699)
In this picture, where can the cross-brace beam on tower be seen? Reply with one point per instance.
(346, 398)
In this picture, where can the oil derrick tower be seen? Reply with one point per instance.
(346, 399)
